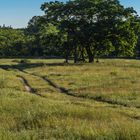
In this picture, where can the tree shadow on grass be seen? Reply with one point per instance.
(77, 95)
(23, 66)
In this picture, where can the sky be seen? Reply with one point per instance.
(17, 13)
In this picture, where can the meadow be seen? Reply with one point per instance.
(47, 99)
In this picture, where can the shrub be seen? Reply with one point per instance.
(24, 61)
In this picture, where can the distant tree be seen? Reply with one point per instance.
(33, 29)
(137, 30)
(12, 42)
(100, 27)
(78, 29)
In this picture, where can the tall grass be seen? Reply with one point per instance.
(103, 103)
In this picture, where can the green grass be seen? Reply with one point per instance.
(71, 102)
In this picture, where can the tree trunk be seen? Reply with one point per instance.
(67, 53)
(90, 55)
(97, 61)
(67, 59)
(75, 54)
(82, 57)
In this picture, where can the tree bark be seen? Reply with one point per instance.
(66, 46)
(75, 54)
(82, 57)
(90, 55)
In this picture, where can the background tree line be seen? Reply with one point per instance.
(79, 29)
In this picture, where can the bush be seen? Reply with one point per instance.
(24, 61)
(16, 61)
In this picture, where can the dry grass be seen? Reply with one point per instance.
(84, 101)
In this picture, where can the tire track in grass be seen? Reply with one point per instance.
(28, 87)
(66, 91)
(76, 95)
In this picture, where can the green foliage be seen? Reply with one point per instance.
(13, 42)
(76, 29)
(100, 27)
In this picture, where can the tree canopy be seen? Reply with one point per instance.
(76, 29)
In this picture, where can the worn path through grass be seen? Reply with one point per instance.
(84, 101)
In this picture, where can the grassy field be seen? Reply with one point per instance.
(47, 99)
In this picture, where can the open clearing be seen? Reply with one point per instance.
(47, 99)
